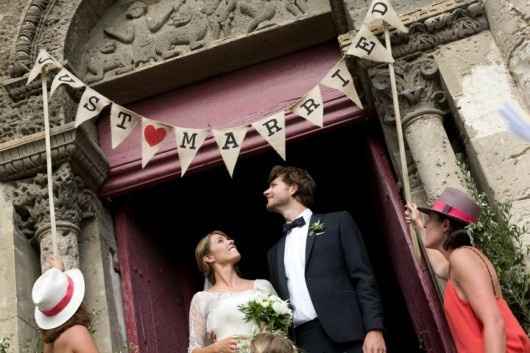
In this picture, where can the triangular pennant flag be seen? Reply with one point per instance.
(153, 134)
(311, 107)
(382, 10)
(65, 77)
(339, 78)
(43, 59)
(122, 122)
(272, 129)
(188, 143)
(366, 45)
(90, 105)
(229, 142)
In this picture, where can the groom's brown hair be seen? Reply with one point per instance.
(299, 177)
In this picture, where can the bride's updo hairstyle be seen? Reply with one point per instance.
(271, 343)
(203, 249)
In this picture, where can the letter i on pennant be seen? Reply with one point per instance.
(339, 78)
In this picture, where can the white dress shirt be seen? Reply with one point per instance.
(294, 261)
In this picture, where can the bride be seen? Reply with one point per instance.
(216, 323)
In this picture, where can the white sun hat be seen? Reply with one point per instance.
(57, 295)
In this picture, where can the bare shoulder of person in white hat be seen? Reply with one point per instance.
(63, 321)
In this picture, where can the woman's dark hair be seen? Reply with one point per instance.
(81, 317)
(458, 234)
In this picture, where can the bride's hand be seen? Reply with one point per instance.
(226, 345)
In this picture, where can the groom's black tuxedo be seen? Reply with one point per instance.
(338, 276)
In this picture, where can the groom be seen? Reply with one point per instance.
(321, 266)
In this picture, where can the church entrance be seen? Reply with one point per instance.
(158, 227)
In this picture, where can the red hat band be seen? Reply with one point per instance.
(442, 207)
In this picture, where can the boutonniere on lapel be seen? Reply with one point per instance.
(317, 228)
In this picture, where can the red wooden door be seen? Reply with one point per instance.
(416, 285)
(157, 287)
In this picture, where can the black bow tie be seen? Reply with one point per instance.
(299, 222)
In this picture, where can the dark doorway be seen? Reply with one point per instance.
(171, 218)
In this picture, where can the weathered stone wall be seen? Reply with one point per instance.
(19, 267)
(510, 25)
(479, 82)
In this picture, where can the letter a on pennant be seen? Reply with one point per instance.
(365, 45)
(188, 143)
(153, 134)
(339, 78)
(90, 105)
(67, 78)
(382, 10)
(43, 59)
(272, 129)
(229, 142)
(122, 122)
(311, 107)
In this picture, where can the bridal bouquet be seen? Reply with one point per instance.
(269, 313)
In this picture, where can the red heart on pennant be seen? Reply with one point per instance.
(154, 136)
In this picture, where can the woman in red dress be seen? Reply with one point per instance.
(478, 316)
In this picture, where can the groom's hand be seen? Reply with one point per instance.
(226, 345)
(374, 342)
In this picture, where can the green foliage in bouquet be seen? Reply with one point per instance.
(269, 313)
(501, 241)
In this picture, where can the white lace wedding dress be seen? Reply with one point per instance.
(217, 313)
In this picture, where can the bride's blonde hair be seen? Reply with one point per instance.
(203, 249)
(271, 343)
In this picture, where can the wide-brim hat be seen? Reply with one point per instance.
(57, 295)
(456, 205)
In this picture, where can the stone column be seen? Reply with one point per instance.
(421, 99)
(71, 207)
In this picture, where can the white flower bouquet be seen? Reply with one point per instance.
(269, 313)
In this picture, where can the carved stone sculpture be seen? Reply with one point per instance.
(73, 203)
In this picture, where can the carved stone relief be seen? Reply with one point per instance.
(418, 87)
(73, 203)
(146, 32)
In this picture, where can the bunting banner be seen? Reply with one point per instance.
(229, 142)
(154, 134)
(272, 129)
(311, 107)
(67, 78)
(365, 45)
(122, 123)
(43, 59)
(90, 105)
(382, 10)
(339, 78)
(188, 143)
(189, 140)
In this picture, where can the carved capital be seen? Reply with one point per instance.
(73, 202)
(25, 157)
(418, 86)
(431, 26)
